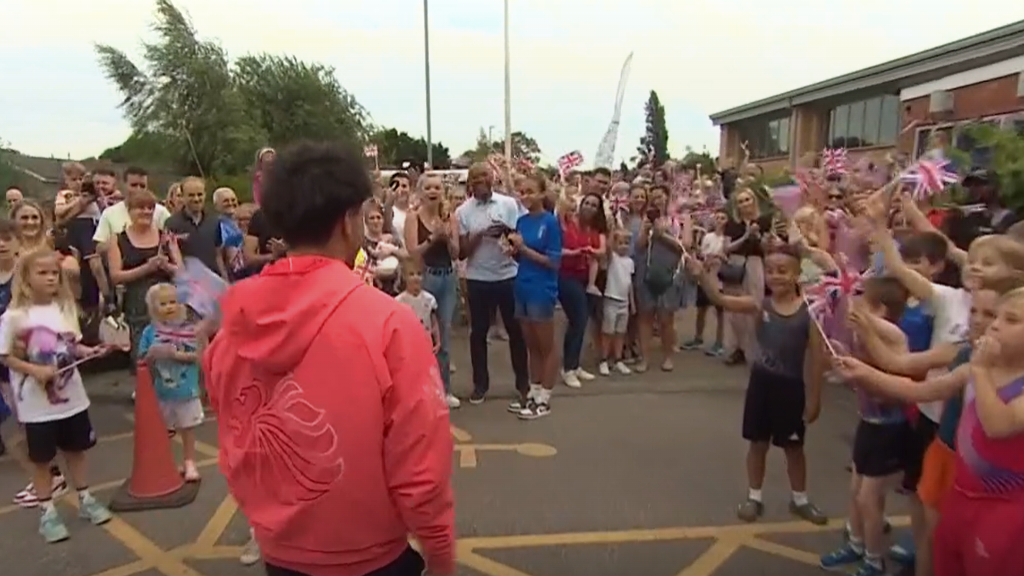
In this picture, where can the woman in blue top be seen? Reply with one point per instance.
(537, 245)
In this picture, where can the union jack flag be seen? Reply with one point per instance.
(370, 150)
(524, 165)
(834, 161)
(929, 177)
(570, 161)
(823, 297)
(619, 203)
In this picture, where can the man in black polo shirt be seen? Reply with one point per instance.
(198, 233)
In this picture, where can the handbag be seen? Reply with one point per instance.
(657, 280)
(733, 274)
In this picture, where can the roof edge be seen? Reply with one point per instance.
(784, 100)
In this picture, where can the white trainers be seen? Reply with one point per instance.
(251, 552)
(621, 368)
(452, 401)
(584, 375)
(571, 379)
(603, 369)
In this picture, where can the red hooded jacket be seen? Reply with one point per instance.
(333, 428)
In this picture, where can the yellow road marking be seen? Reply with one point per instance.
(103, 486)
(218, 522)
(470, 559)
(126, 569)
(713, 558)
(467, 455)
(468, 452)
(655, 534)
(149, 553)
(784, 551)
(460, 435)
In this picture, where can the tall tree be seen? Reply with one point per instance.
(293, 100)
(394, 147)
(653, 149)
(185, 94)
(210, 115)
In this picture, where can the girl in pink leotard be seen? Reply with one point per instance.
(982, 518)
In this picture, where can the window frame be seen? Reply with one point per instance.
(921, 133)
(760, 142)
(833, 134)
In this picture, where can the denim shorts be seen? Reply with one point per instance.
(535, 308)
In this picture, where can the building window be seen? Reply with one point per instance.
(766, 138)
(872, 122)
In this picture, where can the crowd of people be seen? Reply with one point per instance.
(858, 284)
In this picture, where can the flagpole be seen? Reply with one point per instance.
(426, 70)
(508, 107)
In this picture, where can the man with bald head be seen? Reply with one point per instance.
(13, 196)
(484, 219)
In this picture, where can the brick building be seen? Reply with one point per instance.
(889, 107)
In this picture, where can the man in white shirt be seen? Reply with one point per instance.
(115, 218)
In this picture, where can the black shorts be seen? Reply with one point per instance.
(922, 434)
(773, 410)
(703, 301)
(71, 434)
(880, 450)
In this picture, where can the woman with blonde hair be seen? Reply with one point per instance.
(32, 224)
(744, 270)
(430, 236)
(173, 200)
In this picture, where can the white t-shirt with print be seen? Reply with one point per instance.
(424, 305)
(49, 338)
(950, 309)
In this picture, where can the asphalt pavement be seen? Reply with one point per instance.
(634, 475)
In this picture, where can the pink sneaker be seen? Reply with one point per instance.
(27, 498)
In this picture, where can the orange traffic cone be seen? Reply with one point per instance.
(155, 481)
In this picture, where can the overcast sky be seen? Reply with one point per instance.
(701, 56)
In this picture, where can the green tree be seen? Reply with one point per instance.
(293, 100)
(186, 96)
(141, 148)
(653, 147)
(394, 147)
(982, 145)
(523, 146)
(692, 158)
(193, 111)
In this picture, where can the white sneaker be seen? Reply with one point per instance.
(453, 402)
(571, 379)
(622, 368)
(603, 370)
(250, 553)
(584, 375)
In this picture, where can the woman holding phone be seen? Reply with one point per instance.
(657, 281)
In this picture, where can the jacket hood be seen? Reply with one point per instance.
(272, 319)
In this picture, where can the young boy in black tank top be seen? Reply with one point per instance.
(779, 402)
